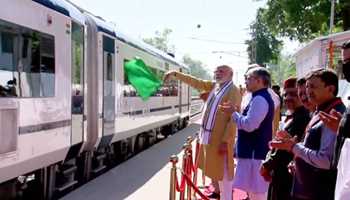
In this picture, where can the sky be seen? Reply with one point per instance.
(219, 39)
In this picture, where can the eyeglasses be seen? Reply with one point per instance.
(250, 77)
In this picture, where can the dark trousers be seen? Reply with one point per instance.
(280, 187)
(295, 198)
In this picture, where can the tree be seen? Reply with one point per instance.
(263, 46)
(197, 67)
(284, 68)
(305, 19)
(161, 41)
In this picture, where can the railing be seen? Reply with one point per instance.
(196, 106)
(187, 186)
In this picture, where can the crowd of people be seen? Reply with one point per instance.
(291, 158)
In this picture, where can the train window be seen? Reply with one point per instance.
(109, 62)
(47, 66)
(77, 68)
(8, 82)
(38, 58)
(168, 89)
(27, 59)
(126, 81)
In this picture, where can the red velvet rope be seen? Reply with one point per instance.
(180, 188)
(190, 183)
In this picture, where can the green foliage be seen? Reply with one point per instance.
(197, 67)
(161, 41)
(263, 47)
(303, 20)
(284, 68)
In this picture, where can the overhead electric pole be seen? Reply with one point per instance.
(332, 17)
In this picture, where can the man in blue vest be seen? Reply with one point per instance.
(254, 132)
(314, 178)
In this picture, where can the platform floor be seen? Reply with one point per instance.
(145, 176)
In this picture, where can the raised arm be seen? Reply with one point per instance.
(199, 84)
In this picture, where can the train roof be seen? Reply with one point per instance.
(334, 37)
(147, 48)
(69, 9)
(102, 25)
(64, 8)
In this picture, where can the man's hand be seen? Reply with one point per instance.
(223, 147)
(283, 135)
(291, 168)
(265, 173)
(204, 95)
(331, 120)
(228, 107)
(286, 144)
(170, 74)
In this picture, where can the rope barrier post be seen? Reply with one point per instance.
(189, 167)
(195, 165)
(184, 167)
(189, 139)
(172, 194)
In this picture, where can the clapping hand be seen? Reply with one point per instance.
(331, 120)
(283, 135)
(284, 144)
(291, 167)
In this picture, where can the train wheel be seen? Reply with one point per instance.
(140, 143)
(8, 190)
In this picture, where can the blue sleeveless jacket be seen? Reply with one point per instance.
(254, 145)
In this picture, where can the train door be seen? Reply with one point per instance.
(77, 73)
(108, 85)
(180, 94)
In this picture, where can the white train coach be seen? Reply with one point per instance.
(316, 55)
(67, 111)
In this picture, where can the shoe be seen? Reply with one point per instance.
(214, 195)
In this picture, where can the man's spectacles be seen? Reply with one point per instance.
(250, 77)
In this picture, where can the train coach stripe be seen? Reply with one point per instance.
(136, 112)
(182, 105)
(159, 109)
(54, 5)
(43, 127)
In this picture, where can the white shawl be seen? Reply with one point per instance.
(210, 110)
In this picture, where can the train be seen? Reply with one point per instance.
(316, 55)
(67, 110)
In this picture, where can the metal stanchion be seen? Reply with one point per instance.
(184, 166)
(188, 169)
(172, 194)
(189, 139)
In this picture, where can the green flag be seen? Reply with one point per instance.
(141, 78)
